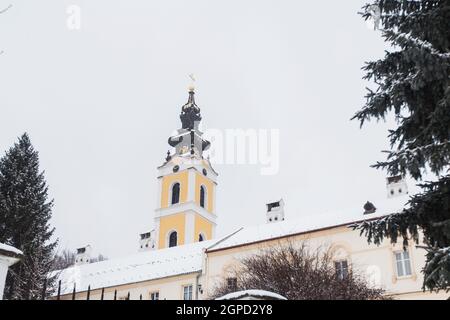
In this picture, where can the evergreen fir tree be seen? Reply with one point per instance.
(25, 212)
(413, 83)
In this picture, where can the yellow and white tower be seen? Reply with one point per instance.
(187, 186)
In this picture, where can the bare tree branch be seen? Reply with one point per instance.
(297, 272)
(6, 9)
(3, 11)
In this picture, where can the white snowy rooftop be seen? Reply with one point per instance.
(309, 223)
(252, 293)
(138, 267)
(186, 259)
(9, 249)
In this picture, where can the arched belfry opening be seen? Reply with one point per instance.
(202, 196)
(173, 239)
(175, 193)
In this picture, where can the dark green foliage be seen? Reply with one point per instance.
(413, 84)
(25, 212)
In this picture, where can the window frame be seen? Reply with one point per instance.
(189, 292)
(402, 261)
(154, 293)
(340, 270)
(232, 283)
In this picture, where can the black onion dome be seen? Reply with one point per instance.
(190, 113)
(189, 135)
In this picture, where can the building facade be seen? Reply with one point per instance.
(387, 266)
(181, 258)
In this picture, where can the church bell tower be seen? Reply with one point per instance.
(186, 185)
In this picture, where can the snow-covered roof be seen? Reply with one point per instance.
(252, 293)
(307, 223)
(138, 267)
(149, 265)
(11, 250)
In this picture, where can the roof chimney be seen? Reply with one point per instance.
(275, 211)
(147, 241)
(369, 208)
(83, 255)
(396, 186)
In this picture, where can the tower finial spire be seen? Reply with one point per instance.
(191, 87)
(190, 112)
(189, 136)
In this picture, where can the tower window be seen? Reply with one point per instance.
(173, 239)
(201, 237)
(202, 196)
(176, 193)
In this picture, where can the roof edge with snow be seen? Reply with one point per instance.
(286, 235)
(9, 251)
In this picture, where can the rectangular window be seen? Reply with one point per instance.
(341, 269)
(187, 292)
(403, 263)
(154, 295)
(232, 284)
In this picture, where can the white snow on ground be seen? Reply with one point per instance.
(253, 293)
(251, 234)
(138, 267)
(8, 248)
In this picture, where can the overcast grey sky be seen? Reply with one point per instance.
(99, 104)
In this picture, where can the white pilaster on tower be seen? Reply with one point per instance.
(189, 235)
(191, 184)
